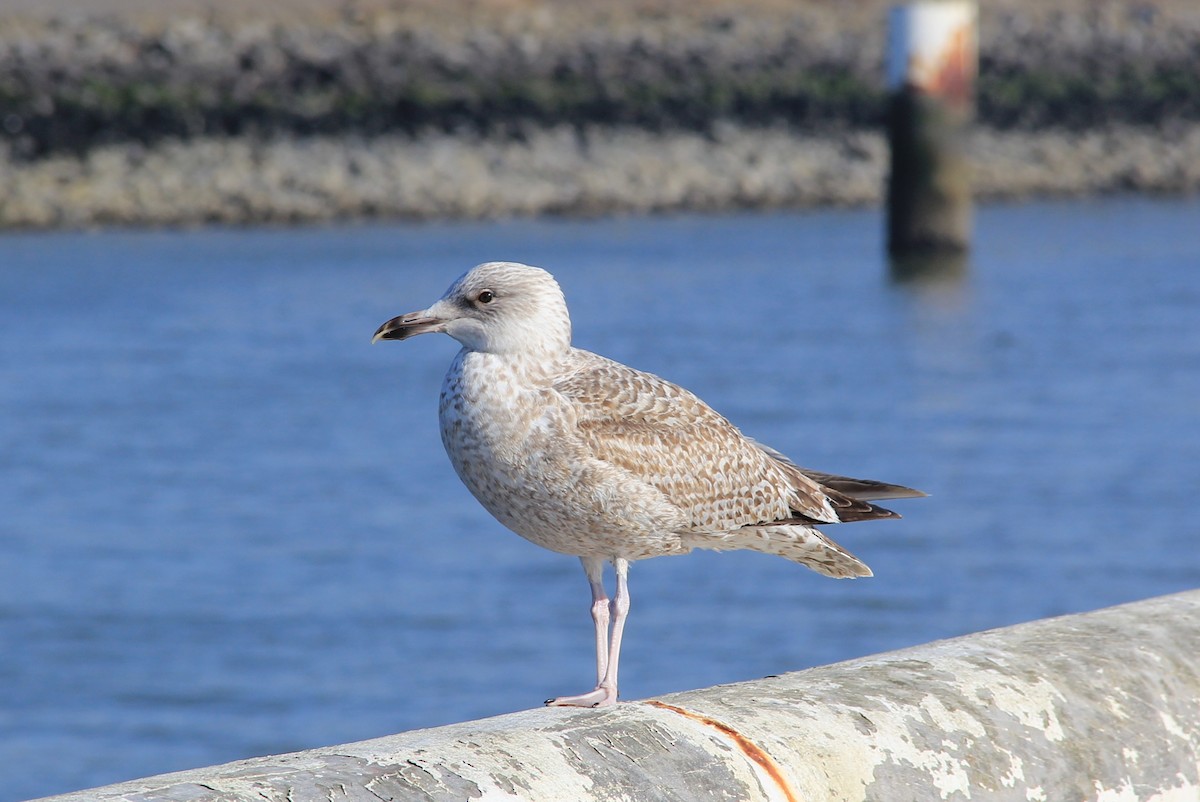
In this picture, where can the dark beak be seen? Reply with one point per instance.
(410, 325)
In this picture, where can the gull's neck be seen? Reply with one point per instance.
(529, 367)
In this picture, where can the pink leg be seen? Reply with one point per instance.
(619, 608)
(595, 574)
(608, 644)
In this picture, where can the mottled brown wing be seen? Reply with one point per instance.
(668, 437)
(847, 508)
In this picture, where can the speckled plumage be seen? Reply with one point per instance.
(589, 457)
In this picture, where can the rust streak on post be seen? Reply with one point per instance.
(750, 749)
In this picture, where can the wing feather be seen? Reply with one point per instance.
(863, 489)
(666, 436)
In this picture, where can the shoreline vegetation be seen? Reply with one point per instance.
(169, 112)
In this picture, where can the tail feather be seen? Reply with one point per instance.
(803, 544)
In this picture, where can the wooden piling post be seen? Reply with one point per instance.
(931, 75)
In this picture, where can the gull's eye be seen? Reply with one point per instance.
(485, 297)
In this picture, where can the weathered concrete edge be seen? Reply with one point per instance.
(1102, 705)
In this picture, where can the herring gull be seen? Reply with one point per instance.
(588, 457)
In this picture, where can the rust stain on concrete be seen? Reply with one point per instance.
(750, 749)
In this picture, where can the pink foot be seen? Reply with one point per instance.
(600, 697)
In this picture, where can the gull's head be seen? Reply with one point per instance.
(496, 307)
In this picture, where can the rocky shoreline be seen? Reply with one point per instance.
(381, 108)
(560, 171)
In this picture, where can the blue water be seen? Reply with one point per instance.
(227, 526)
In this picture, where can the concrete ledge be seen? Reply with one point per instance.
(1098, 706)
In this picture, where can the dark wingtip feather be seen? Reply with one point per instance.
(863, 489)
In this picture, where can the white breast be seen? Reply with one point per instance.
(511, 440)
